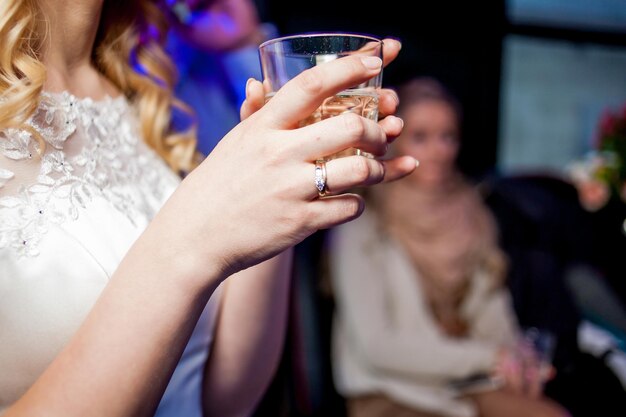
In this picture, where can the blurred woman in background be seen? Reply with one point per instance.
(424, 324)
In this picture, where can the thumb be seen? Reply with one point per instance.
(255, 98)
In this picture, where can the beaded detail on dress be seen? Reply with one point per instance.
(90, 149)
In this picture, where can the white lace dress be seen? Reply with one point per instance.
(66, 220)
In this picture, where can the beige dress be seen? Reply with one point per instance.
(385, 341)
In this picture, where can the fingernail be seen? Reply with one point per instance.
(397, 40)
(248, 85)
(396, 97)
(372, 62)
(417, 163)
(401, 122)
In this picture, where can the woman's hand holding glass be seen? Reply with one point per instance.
(524, 369)
(255, 195)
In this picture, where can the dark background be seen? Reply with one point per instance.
(457, 42)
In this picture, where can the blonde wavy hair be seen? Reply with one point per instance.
(128, 50)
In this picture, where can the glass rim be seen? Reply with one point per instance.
(319, 35)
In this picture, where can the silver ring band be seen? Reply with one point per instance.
(320, 177)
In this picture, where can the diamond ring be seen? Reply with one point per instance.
(320, 177)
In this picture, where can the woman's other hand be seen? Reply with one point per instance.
(522, 372)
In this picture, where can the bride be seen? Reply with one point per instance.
(109, 264)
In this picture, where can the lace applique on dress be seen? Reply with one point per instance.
(92, 149)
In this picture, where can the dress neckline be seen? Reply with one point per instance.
(67, 97)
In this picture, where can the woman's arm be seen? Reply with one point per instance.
(495, 319)
(249, 337)
(120, 360)
(251, 199)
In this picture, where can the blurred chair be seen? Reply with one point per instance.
(548, 238)
(544, 232)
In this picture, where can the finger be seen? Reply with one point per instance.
(397, 168)
(255, 98)
(299, 98)
(391, 49)
(388, 102)
(345, 173)
(515, 378)
(266, 86)
(341, 132)
(392, 126)
(534, 384)
(334, 210)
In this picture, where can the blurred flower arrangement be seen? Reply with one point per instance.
(602, 173)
